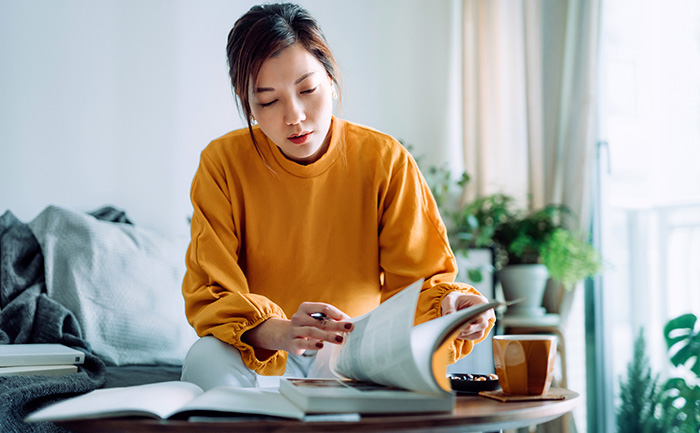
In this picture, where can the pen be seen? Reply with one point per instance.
(319, 316)
(322, 318)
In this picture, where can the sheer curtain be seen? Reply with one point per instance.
(529, 98)
(529, 126)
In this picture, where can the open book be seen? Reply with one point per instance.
(170, 400)
(385, 365)
(386, 349)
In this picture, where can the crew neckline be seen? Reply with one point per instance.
(316, 167)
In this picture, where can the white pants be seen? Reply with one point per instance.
(210, 362)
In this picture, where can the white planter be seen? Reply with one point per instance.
(527, 283)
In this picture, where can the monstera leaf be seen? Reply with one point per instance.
(681, 405)
(683, 342)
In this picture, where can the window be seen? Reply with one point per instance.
(650, 174)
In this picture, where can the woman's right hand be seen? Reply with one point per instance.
(309, 333)
(302, 332)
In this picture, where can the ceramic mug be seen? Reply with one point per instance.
(524, 363)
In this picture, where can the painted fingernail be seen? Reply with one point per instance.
(319, 345)
(338, 338)
(348, 326)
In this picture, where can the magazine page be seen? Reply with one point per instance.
(427, 337)
(157, 400)
(237, 400)
(379, 347)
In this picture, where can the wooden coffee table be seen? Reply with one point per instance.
(471, 414)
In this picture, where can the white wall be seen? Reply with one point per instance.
(110, 102)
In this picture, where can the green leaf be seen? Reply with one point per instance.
(683, 341)
(675, 384)
(475, 275)
(472, 222)
(681, 406)
(570, 258)
(464, 180)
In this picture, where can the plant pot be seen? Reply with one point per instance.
(527, 283)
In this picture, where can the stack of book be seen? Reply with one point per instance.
(39, 359)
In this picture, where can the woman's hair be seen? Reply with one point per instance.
(264, 31)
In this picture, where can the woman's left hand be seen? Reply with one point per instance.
(455, 301)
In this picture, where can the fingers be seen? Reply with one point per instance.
(313, 338)
(328, 310)
(448, 305)
(475, 329)
(317, 323)
(314, 333)
(334, 320)
(471, 337)
(300, 345)
(457, 300)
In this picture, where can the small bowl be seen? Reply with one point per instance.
(473, 383)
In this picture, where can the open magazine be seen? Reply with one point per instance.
(385, 348)
(385, 365)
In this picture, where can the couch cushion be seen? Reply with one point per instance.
(122, 282)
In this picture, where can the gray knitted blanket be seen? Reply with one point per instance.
(28, 315)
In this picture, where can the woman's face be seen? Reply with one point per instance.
(292, 101)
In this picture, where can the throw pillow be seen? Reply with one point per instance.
(122, 282)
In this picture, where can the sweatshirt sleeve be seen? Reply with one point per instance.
(413, 244)
(217, 298)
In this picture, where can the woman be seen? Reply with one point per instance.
(303, 213)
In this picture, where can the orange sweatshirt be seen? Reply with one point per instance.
(351, 230)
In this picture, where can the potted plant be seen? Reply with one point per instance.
(536, 247)
(674, 407)
(530, 248)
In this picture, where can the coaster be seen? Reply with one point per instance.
(501, 396)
